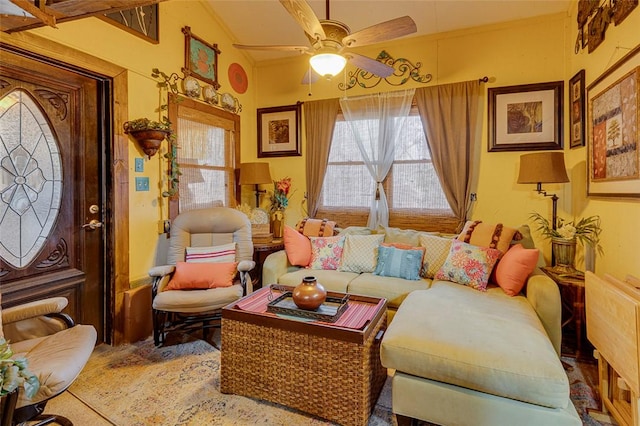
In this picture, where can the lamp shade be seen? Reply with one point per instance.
(254, 173)
(542, 167)
(327, 64)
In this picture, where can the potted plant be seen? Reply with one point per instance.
(279, 202)
(148, 133)
(13, 375)
(564, 238)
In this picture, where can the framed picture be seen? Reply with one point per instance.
(141, 21)
(279, 131)
(576, 110)
(613, 121)
(200, 58)
(526, 117)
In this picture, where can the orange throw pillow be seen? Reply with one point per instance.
(191, 276)
(297, 247)
(514, 268)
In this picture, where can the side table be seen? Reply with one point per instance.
(260, 253)
(572, 295)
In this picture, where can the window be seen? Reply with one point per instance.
(208, 140)
(412, 186)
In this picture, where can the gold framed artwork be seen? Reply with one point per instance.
(279, 131)
(613, 162)
(526, 117)
(576, 110)
(200, 58)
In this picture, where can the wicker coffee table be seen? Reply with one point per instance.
(328, 370)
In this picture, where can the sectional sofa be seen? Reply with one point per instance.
(462, 354)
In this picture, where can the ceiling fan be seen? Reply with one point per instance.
(330, 41)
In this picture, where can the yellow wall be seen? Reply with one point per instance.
(520, 52)
(139, 57)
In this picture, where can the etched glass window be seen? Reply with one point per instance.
(30, 179)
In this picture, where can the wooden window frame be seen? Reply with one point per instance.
(175, 103)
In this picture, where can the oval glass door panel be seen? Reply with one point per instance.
(30, 179)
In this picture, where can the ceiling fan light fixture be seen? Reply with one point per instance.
(328, 64)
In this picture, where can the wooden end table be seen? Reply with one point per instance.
(572, 296)
(260, 253)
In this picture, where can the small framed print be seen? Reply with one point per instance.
(200, 58)
(526, 117)
(279, 131)
(577, 110)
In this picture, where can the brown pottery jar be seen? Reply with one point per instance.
(309, 294)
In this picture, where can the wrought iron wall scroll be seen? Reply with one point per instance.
(405, 71)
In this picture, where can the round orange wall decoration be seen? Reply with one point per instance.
(238, 78)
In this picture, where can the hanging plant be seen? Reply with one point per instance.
(166, 83)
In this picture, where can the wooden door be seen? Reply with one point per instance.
(51, 187)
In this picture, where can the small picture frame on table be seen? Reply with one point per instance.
(577, 110)
(527, 117)
(279, 131)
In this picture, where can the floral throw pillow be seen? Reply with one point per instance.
(326, 252)
(469, 265)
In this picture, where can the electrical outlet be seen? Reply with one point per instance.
(142, 184)
(139, 165)
(474, 196)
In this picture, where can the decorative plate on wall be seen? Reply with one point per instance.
(238, 78)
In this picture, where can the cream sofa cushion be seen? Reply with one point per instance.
(395, 290)
(331, 280)
(488, 342)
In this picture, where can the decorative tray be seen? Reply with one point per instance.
(329, 311)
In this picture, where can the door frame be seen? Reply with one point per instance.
(116, 172)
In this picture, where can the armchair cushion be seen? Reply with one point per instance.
(202, 275)
(197, 301)
(57, 360)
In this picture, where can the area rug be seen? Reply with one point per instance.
(140, 385)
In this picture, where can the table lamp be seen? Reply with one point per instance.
(544, 167)
(255, 174)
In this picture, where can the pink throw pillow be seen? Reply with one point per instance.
(297, 247)
(190, 276)
(514, 268)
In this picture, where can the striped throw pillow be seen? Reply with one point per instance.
(225, 253)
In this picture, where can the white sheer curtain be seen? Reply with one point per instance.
(375, 121)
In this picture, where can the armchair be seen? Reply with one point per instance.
(200, 306)
(56, 349)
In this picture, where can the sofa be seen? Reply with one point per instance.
(460, 354)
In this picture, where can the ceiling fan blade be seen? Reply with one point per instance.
(370, 65)
(310, 77)
(383, 31)
(301, 49)
(306, 18)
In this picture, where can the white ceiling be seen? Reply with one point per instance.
(266, 22)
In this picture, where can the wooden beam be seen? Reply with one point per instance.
(38, 12)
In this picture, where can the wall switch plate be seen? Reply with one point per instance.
(139, 167)
(142, 184)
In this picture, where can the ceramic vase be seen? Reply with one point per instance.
(277, 224)
(309, 294)
(564, 252)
